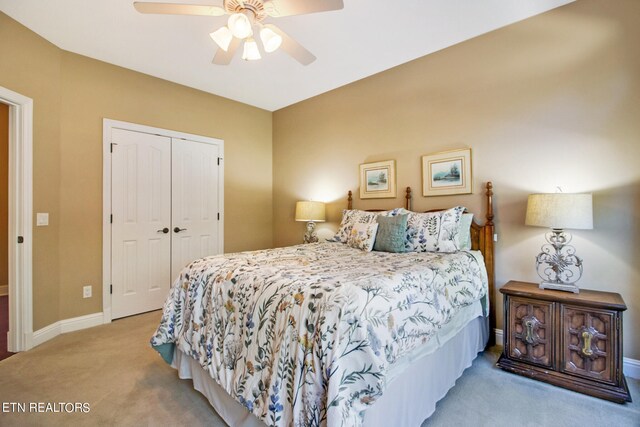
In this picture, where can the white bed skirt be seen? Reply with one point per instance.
(407, 401)
(411, 398)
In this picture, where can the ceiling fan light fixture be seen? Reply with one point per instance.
(270, 39)
(251, 52)
(222, 37)
(240, 25)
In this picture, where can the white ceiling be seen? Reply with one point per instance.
(366, 37)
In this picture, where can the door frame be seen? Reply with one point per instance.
(107, 126)
(20, 219)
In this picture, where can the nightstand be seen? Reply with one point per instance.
(569, 340)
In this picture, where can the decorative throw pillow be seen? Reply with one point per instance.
(391, 233)
(350, 217)
(362, 236)
(464, 236)
(434, 231)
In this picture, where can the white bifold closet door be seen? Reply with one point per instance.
(164, 215)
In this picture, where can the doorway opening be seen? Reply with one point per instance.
(19, 191)
(4, 231)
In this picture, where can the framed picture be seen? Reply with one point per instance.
(447, 173)
(378, 180)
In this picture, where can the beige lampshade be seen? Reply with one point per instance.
(560, 210)
(310, 211)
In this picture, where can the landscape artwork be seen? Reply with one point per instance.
(378, 180)
(447, 173)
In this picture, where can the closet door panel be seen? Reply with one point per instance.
(194, 202)
(141, 208)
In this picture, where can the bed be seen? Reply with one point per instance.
(324, 334)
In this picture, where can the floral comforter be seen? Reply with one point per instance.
(304, 335)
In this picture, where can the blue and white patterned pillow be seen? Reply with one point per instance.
(363, 236)
(350, 217)
(434, 231)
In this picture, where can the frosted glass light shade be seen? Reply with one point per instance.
(222, 37)
(560, 211)
(250, 52)
(310, 211)
(270, 40)
(240, 25)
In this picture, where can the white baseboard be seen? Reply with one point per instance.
(630, 367)
(499, 336)
(67, 325)
(45, 334)
(4, 290)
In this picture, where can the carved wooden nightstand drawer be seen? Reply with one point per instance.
(530, 322)
(569, 340)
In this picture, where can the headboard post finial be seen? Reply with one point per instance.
(350, 200)
(407, 203)
(489, 203)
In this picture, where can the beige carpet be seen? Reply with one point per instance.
(125, 383)
(112, 368)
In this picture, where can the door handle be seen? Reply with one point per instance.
(164, 230)
(178, 229)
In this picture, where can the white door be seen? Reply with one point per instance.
(141, 209)
(195, 211)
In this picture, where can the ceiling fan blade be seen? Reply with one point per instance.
(178, 9)
(292, 47)
(278, 8)
(224, 58)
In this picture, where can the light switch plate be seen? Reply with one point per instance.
(42, 219)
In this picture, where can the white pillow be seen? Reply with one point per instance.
(434, 231)
(363, 236)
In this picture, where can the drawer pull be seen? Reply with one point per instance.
(529, 336)
(586, 343)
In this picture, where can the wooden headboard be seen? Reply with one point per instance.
(481, 240)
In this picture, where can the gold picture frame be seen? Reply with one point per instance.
(447, 173)
(378, 180)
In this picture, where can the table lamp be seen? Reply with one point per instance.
(311, 212)
(557, 264)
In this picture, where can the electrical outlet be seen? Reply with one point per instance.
(86, 291)
(495, 237)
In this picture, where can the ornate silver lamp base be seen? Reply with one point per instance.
(557, 264)
(310, 236)
(569, 287)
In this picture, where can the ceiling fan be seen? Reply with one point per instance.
(244, 17)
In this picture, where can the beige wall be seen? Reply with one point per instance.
(551, 101)
(4, 194)
(31, 66)
(72, 94)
